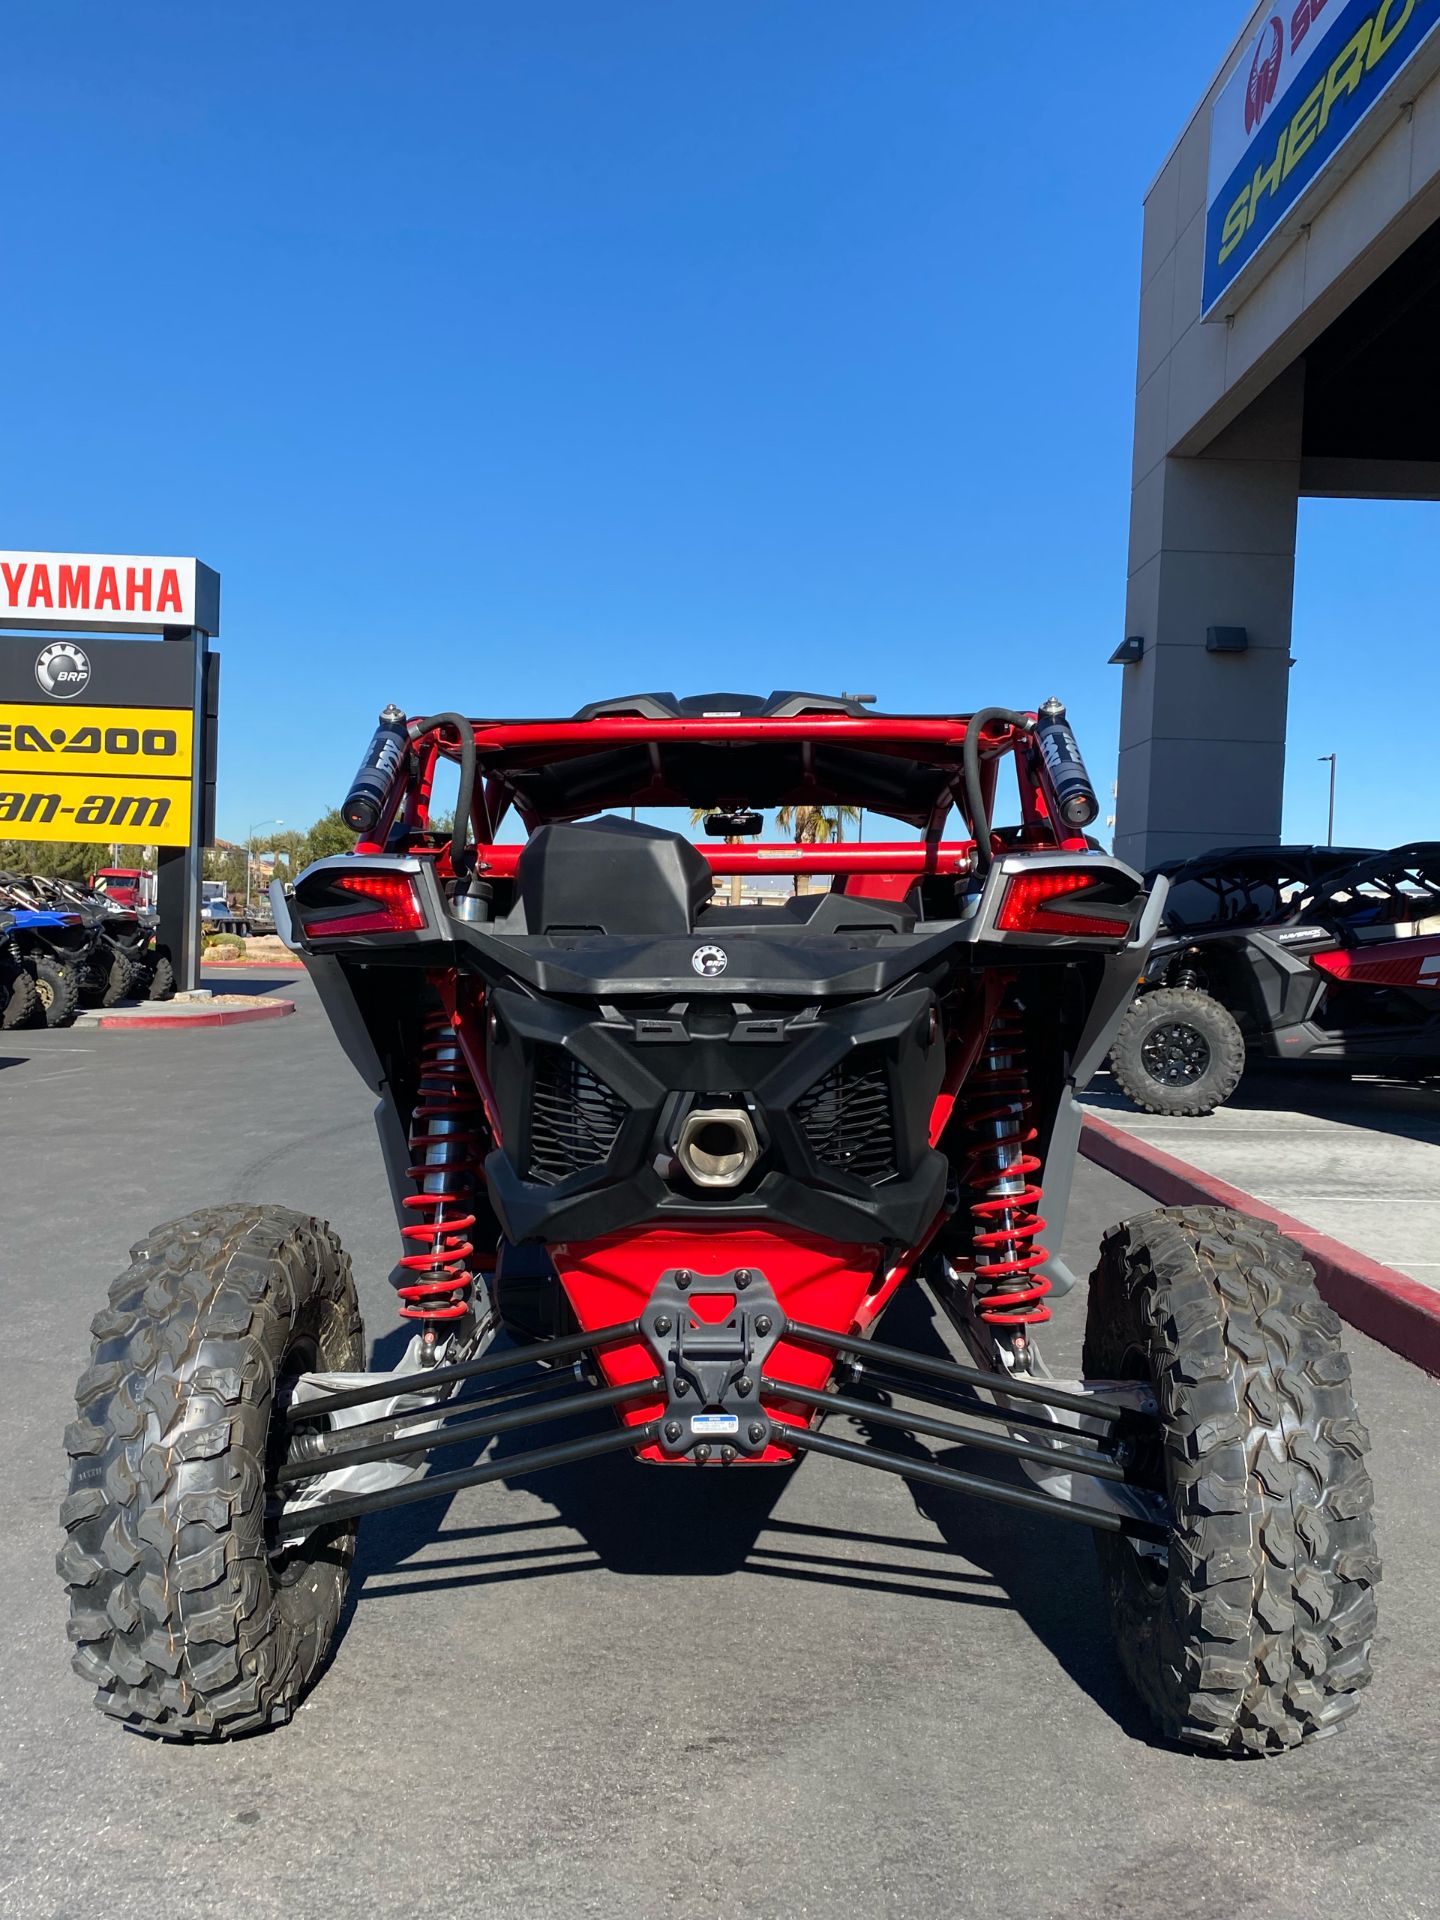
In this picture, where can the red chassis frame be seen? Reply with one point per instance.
(817, 1282)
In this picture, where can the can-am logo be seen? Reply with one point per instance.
(63, 670)
(1264, 72)
(709, 962)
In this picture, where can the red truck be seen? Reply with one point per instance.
(132, 887)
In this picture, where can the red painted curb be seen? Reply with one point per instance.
(241, 966)
(1389, 1306)
(214, 1017)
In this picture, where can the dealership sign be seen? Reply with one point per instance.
(107, 592)
(107, 739)
(97, 742)
(1314, 72)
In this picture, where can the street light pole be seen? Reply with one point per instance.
(250, 855)
(1330, 823)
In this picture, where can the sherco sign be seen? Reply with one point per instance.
(107, 592)
(1313, 73)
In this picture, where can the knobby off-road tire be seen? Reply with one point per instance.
(57, 987)
(186, 1622)
(1156, 1022)
(19, 1000)
(160, 979)
(1256, 1633)
(111, 984)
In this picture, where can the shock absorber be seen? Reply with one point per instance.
(1008, 1291)
(445, 1136)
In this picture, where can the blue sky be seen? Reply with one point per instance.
(510, 354)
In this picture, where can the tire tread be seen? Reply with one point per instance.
(171, 1607)
(1262, 1637)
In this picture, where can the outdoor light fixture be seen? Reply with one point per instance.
(1129, 651)
(1226, 640)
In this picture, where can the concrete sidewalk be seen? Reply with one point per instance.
(1358, 1159)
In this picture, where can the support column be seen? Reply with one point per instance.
(178, 870)
(1212, 544)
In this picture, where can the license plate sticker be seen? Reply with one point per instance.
(714, 1423)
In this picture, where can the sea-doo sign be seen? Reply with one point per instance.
(107, 592)
(1314, 74)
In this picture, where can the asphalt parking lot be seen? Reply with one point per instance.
(607, 1692)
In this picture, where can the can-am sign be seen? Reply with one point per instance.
(1313, 73)
(107, 592)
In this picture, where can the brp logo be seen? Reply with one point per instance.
(709, 962)
(63, 670)
(1264, 72)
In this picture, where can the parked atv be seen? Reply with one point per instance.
(19, 999)
(110, 965)
(125, 959)
(690, 1152)
(54, 945)
(1316, 953)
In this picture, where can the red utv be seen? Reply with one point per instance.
(689, 1152)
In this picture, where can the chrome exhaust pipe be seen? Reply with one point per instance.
(717, 1146)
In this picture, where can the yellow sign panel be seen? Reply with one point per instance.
(95, 773)
(94, 807)
(50, 739)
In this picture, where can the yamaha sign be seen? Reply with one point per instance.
(107, 592)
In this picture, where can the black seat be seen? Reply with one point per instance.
(611, 876)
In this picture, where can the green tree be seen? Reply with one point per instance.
(226, 864)
(814, 827)
(58, 859)
(127, 856)
(328, 836)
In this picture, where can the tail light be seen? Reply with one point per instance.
(1033, 904)
(384, 902)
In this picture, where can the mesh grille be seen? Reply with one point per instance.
(847, 1120)
(574, 1118)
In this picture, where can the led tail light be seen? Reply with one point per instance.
(1031, 906)
(386, 902)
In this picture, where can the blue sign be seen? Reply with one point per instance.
(1310, 76)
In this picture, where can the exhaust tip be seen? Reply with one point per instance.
(717, 1146)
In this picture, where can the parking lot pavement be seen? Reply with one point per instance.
(608, 1692)
(1357, 1158)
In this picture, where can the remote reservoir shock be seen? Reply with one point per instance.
(1009, 1293)
(445, 1139)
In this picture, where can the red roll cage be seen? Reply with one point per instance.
(813, 758)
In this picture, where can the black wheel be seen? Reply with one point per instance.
(162, 979)
(112, 982)
(1178, 1051)
(57, 988)
(1252, 1631)
(184, 1615)
(21, 999)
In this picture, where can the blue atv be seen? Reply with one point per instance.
(125, 960)
(53, 948)
(19, 999)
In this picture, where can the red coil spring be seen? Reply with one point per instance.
(444, 1140)
(1008, 1293)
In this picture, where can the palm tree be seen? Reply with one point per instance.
(698, 817)
(814, 827)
